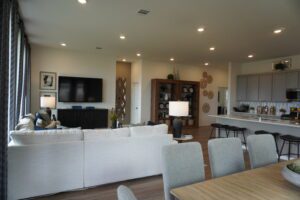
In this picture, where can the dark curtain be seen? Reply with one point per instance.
(28, 79)
(14, 30)
(20, 73)
(4, 79)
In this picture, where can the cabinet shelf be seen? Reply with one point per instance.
(176, 90)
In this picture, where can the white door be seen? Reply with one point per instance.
(135, 103)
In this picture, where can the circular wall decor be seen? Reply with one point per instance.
(204, 74)
(205, 107)
(205, 93)
(209, 79)
(210, 95)
(203, 84)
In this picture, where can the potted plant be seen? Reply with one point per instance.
(282, 111)
(113, 118)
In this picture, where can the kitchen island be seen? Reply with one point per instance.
(254, 123)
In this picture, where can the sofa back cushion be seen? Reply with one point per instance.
(94, 134)
(148, 130)
(46, 136)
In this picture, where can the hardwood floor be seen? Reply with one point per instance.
(150, 188)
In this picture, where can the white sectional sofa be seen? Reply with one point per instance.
(47, 162)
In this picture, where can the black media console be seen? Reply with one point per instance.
(84, 118)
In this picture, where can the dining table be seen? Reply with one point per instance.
(264, 183)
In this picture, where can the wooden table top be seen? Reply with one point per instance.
(261, 184)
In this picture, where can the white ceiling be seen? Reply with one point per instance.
(235, 27)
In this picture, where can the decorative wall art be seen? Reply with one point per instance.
(47, 80)
(210, 95)
(205, 107)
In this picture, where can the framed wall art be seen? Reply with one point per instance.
(47, 80)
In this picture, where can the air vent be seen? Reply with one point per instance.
(143, 12)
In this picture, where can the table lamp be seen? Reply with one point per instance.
(48, 102)
(178, 109)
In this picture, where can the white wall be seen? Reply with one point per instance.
(152, 69)
(73, 63)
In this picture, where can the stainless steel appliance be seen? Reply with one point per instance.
(293, 94)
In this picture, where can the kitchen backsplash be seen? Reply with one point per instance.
(278, 106)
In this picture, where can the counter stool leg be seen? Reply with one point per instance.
(244, 139)
(281, 150)
(277, 150)
(298, 143)
(211, 133)
(289, 155)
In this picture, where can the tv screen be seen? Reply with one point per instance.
(75, 89)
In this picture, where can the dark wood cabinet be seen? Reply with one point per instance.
(84, 118)
(163, 91)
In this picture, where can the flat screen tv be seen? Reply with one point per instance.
(76, 89)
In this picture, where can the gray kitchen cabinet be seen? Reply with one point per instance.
(292, 80)
(265, 87)
(241, 88)
(279, 87)
(252, 88)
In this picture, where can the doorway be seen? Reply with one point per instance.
(222, 100)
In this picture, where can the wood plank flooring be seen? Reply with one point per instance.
(150, 188)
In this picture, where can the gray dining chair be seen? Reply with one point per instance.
(182, 164)
(124, 193)
(225, 156)
(262, 150)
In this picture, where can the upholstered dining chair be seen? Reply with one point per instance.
(124, 193)
(182, 164)
(262, 150)
(225, 156)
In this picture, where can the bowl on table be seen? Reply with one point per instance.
(291, 173)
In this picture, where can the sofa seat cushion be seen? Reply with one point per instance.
(148, 130)
(94, 134)
(45, 137)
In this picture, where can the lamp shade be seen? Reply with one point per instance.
(178, 108)
(48, 102)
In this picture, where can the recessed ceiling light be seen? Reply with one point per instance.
(278, 31)
(138, 54)
(212, 48)
(200, 29)
(206, 64)
(172, 59)
(82, 1)
(122, 37)
(63, 44)
(250, 56)
(124, 60)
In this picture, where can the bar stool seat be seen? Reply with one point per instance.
(236, 131)
(215, 126)
(291, 140)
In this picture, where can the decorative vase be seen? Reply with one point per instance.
(114, 124)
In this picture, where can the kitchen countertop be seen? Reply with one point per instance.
(270, 121)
